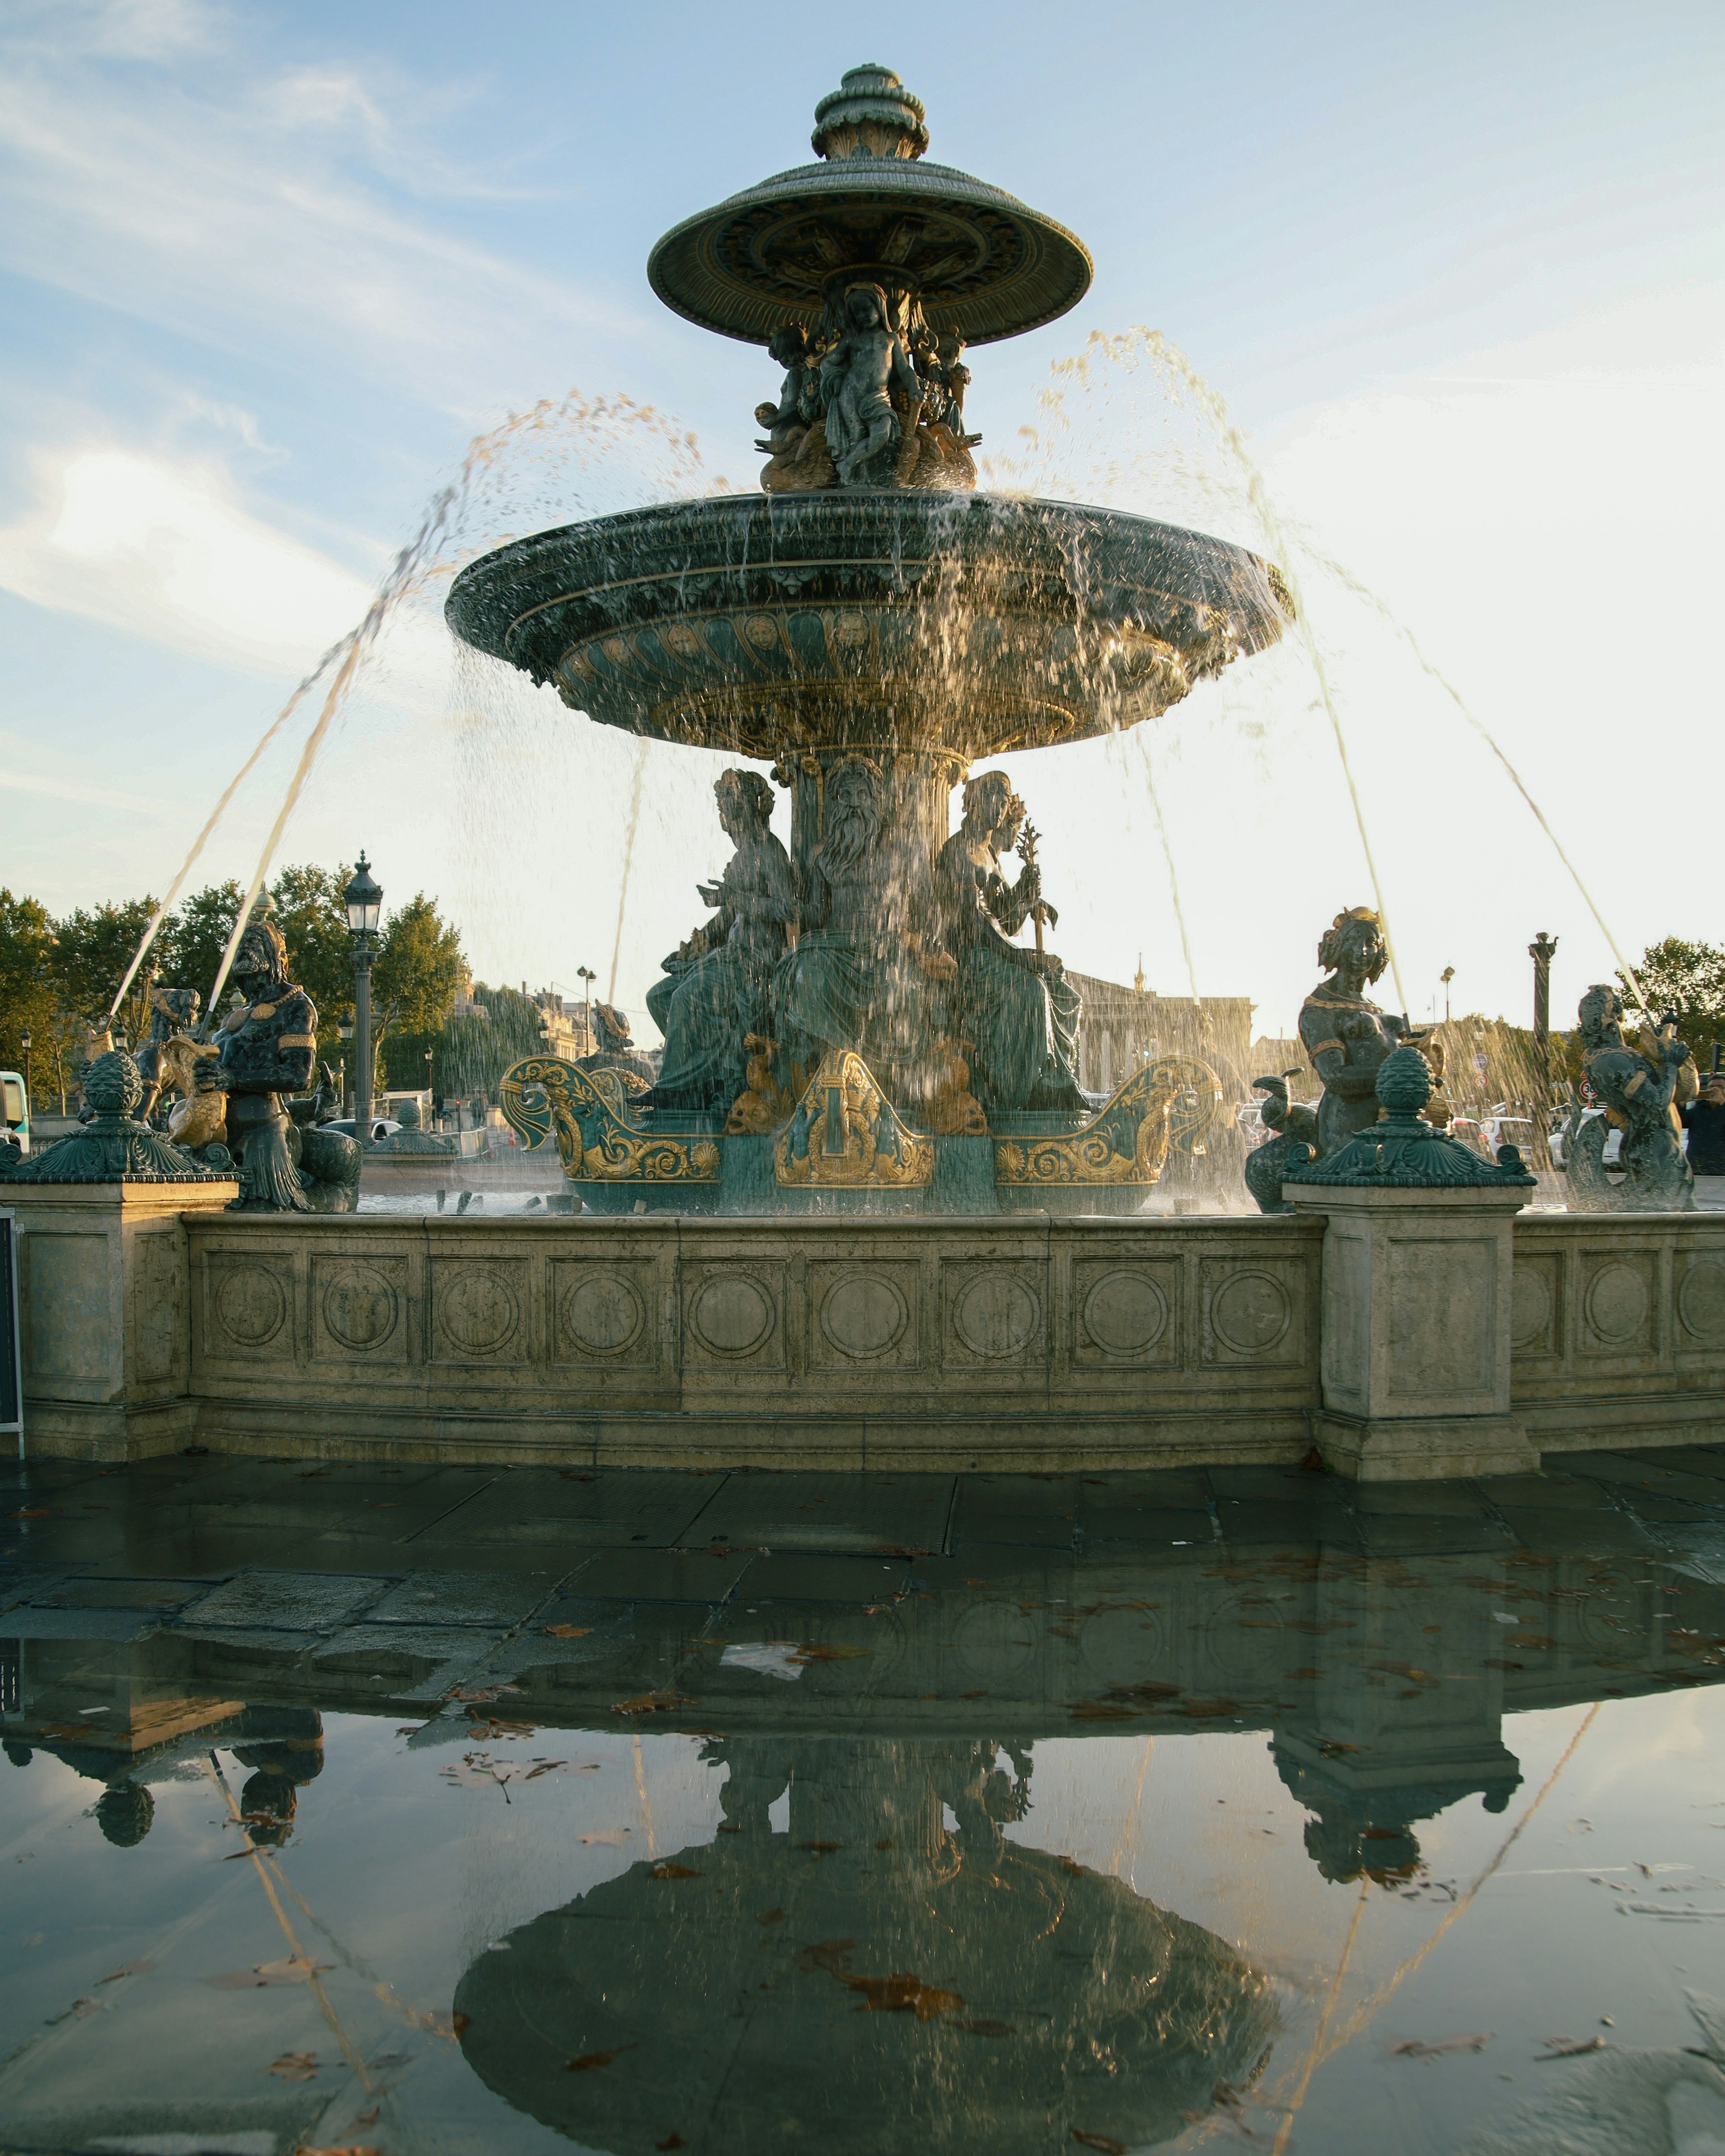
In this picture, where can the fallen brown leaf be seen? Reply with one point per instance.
(567, 1631)
(653, 1703)
(294, 2066)
(674, 1871)
(1107, 2143)
(1413, 2048)
(770, 1917)
(29, 1512)
(125, 1969)
(671, 2141)
(589, 2060)
(1571, 2048)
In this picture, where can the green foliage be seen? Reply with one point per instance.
(1688, 979)
(92, 951)
(28, 1000)
(419, 969)
(189, 949)
(312, 915)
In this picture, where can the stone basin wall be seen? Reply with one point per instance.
(1027, 1342)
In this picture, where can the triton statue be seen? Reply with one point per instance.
(1640, 1088)
(263, 1050)
(616, 1050)
(714, 989)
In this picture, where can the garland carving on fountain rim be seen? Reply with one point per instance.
(1125, 1141)
(844, 1135)
(597, 1140)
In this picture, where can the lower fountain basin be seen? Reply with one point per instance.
(761, 625)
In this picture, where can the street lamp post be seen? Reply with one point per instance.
(587, 976)
(429, 1098)
(1541, 950)
(364, 900)
(25, 1043)
(1447, 975)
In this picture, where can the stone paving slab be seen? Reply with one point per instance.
(572, 1506)
(816, 1576)
(466, 1598)
(1033, 1511)
(857, 1514)
(105, 1592)
(664, 1575)
(292, 1601)
(80, 1624)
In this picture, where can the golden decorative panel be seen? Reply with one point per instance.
(844, 1134)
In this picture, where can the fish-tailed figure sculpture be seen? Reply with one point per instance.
(617, 1051)
(262, 1051)
(1641, 1086)
(1347, 1038)
(1296, 1128)
(173, 1024)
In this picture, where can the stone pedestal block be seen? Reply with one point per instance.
(1415, 1358)
(104, 1314)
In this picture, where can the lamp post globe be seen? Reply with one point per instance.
(364, 900)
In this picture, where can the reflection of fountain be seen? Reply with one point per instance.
(868, 627)
(869, 1979)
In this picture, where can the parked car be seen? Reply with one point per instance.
(14, 1109)
(1501, 1128)
(381, 1127)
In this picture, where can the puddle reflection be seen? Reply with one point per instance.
(1335, 1848)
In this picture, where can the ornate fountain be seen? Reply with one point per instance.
(857, 1024)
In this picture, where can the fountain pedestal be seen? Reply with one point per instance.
(1418, 1279)
(1415, 1331)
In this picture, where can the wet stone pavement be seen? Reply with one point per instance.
(421, 1809)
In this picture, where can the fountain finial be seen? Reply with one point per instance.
(870, 115)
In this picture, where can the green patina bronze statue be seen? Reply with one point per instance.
(1345, 1036)
(264, 1051)
(1013, 1004)
(1640, 1088)
(715, 987)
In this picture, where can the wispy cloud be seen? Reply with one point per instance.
(260, 212)
(166, 550)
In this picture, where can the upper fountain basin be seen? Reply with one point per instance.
(760, 624)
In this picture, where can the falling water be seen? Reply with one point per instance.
(1184, 375)
(637, 784)
(1345, 577)
(1167, 855)
(558, 428)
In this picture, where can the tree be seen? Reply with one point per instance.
(92, 951)
(1688, 980)
(192, 942)
(312, 913)
(418, 973)
(30, 1002)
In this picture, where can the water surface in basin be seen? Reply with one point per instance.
(441, 1807)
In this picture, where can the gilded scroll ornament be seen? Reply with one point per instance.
(844, 1135)
(598, 1139)
(1125, 1141)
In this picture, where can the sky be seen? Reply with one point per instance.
(1458, 274)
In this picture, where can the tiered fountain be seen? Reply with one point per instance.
(856, 1024)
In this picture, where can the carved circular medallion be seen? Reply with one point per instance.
(1701, 1300)
(359, 1307)
(732, 1314)
(864, 1315)
(1125, 1313)
(762, 630)
(251, 1306)
(1616, 1303)
(995, 1314)
(477, 1311)
(1251, 1312)
(1529, 1306)
(603, 1314)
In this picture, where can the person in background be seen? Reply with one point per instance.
(1704, 1119)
